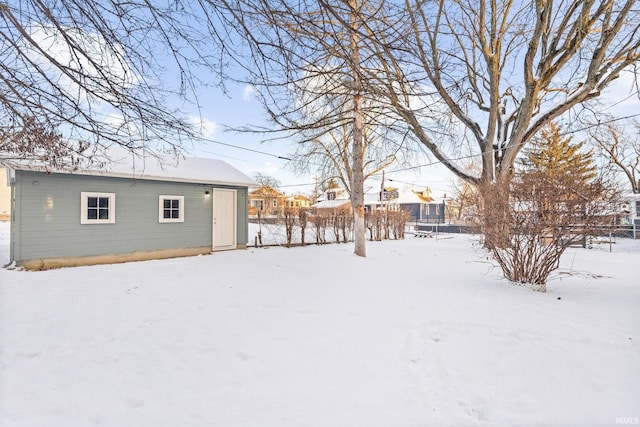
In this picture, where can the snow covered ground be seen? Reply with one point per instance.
(422, 332)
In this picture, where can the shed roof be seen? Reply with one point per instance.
(188, 169)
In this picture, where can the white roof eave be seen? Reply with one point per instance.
(187, 170)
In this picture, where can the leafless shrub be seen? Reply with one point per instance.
(346, 227)
(529, 224)
(384, 225)
(342, 225)
(289, 220)
(319, 221)
(303, 221)
(373, 221)
(397, 221)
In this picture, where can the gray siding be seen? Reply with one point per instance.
(48, 216)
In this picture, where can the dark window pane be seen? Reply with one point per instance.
(175, 214)
(92, 202)
(166, 214)
(104, 202)
(167, 203)
(175, 204)
(92, 213)
(104, 213)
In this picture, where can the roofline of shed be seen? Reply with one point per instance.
(108, 174)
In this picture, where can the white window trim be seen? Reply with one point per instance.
(161, 199)
(84, 196)
(255, 204)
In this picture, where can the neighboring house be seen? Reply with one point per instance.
(333, 201)
(267, 201)
(632, 209)
(420, 205)
(296, 202)
(5, 196)
(85, 217)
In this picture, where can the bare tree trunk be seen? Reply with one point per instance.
(357, 186)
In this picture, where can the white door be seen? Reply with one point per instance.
(224, 219)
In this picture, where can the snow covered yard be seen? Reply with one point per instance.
(422, 332)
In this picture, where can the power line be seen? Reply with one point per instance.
(238, 147)
(277, 156)
(495, 150)
(297, 185)
(199, 150)
(265, 153)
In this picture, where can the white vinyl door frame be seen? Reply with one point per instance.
(224, 230)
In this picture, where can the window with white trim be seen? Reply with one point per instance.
(97, 208)
(170, 208)
(258, 204)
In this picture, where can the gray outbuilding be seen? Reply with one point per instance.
(126, 213)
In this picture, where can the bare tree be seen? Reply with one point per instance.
(465, 196)
(266, 180)
(620, 147)
(486, 74)
(309, 60)
(495, 72)
(331, 155)
(269, 194)
(357, 179)
(104, 72)
(34, 141)
(491, 74)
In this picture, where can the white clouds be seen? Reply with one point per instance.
(88, 59)
(206, 127)
(248, 92)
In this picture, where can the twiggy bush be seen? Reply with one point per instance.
(529, 223)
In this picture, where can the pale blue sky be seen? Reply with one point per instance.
(239, 108)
